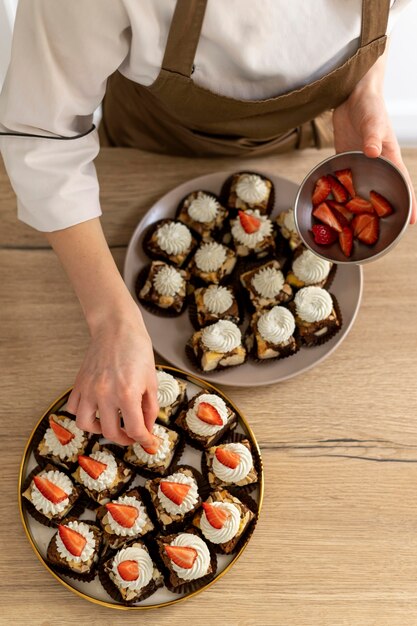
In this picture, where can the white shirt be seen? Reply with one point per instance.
(63, 51)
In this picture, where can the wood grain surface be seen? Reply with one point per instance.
(337, 540)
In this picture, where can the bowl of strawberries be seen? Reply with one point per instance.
(351, 208)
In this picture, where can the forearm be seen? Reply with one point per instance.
(373, 81)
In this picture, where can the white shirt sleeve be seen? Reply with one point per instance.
(62, 55)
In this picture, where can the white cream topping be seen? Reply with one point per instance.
(56, 448)
(252, 239)
(251, 188)
(44, 505)
(313, 304)
(168, 389)
(168, 281)
(268, 282)
(217, 299)
(106, 477)
(276, 325)
(289, 221)
(162, 452)
(88, 549)
(196, 425)
(202, 562)
(203, 208)
(229, 475)
(310, 268)
(138, 524)
(223, 336)
(190, 499)
(145, 566)
(229, 528)
(173, 238)
(210, 256)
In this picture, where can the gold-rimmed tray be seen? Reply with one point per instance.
(39, 535)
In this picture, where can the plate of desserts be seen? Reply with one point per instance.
(138, 528)
(226, 287)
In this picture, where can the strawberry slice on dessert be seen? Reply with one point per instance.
(323, 234)
(72, 540)
(370, 233)
(207, 413)
(321, 190)
(346, 241)
(227, 457)
(49, 490)
(381, 205)
(325, 214)
(340, 193)
(176, 492)
(153, 449)
(345, 177)
(63, 435)
(250, 223)
(91, 466)
(341, 209)
(128, 570)
(216, 516)
(182, 556)
(124, 514)
(359, 205)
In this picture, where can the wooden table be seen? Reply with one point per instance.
(337, 539)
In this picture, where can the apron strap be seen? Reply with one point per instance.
(374, 20)
(183, 36)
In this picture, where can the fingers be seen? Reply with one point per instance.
(86, 416)
(373, 129)
(150, 408)
(110, 424)
(73, 401)
(134, 420)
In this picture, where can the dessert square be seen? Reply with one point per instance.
(316, 315)
(206, 419)
(124, 519)
(223, 520)
(212, 262)
(231, 465)
(287, 228)
(164, 287)
(214, 303)
(218, 346)
(171, 394)
(249, 190)
(271, 334)
(169, 240)
(75, 549)
(308, 269)
(101, 474)
(63, 441)
(130, 575)
(253, 234)
(156, 460)
(266, 285)
(50, 494)
(202, 212)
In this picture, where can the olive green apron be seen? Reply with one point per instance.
(176, 116)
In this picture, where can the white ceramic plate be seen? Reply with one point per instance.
(169, 335)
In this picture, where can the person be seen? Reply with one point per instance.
(195, 77)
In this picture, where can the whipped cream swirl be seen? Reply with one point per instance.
(210, 256)
(229, 475)
(145, 566)
(310, 268)
(217, 299)
(223, 336)
(107, 476)
(251, 188)
(202, 562)
(162, 452)
(196, 425)
(268, 282)
(88, 550)
(252, 239)
(44, 505)
(277, 325)
(313, 304)
(173, 238)
(53, 444)
(203, 208)
(168, 281)
(168, 389)
(138, 524)
(190, 499)
(229, 528)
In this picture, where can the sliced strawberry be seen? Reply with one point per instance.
(381, 205)
(323, 234)
(49, 490)
(176, 492)
(128, 570)
(340, 208)
(345, 177)
(216, 516)
(340, 218)
(340, 193)
(91, 466)
(321, 190)
(181, 556)
(370, 233)
(346, 241)
(360, 222)
(325, 214)
(250, 223)
(359, 205)
(207, 413)
(153, 449)
(227, 457)
(124, 514)
(63, 435)
(73, 541)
